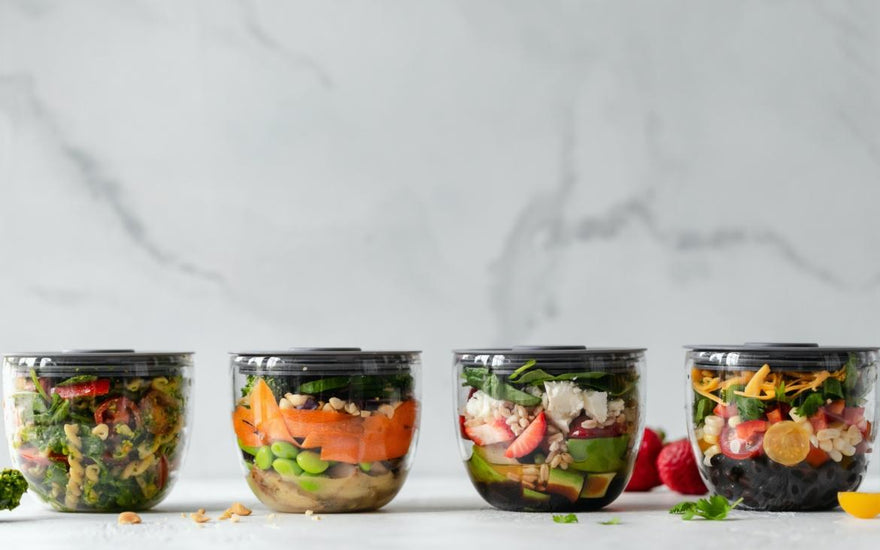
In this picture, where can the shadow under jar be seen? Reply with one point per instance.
(549, 428)
(325, 429)
(97, 430)
(782, 426)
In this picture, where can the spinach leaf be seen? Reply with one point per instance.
(810, 405)
(598, 454)
(482, 379)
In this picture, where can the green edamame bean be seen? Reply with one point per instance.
(366, 466)
(286, 467)
(311, 462)
(263, 459)
(249, 450)
(283, 449)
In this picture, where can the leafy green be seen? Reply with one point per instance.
(275, 383)
(713, 508)
(780, 393)
(525, 366)
(565, 518)
(324, 384)
(748, 408)
(12, 486)
(482, 379)
(811, 405)
(832, 389)
(38, 386)
(703, 407)
(79, 379)
(612, 521)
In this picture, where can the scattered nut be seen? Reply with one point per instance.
(128, 518)
(239, 509)
(235, 518)
(199, 516)
(309, 512)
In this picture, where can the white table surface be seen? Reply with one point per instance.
(430, 512)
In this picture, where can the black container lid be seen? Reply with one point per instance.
(551, 358)
(321, 360)
(800, 356)
(111, 361)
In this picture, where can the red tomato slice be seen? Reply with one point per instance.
(93, 388)
(117, 411)
(740, 449)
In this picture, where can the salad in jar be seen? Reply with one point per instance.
(783, 427)
(325, 430)
(97, 431)
(549, 429)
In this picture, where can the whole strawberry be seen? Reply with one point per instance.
(645, 476)
(678, 468)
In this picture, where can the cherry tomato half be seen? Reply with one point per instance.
(740, 449)
(120, 410)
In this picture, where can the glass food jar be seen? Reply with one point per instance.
(326, 429)
(782, 426)
(98, 430)
(549, 428)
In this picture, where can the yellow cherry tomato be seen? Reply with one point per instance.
(787, 443)
(860, 505)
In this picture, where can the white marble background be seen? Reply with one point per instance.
(218, 175)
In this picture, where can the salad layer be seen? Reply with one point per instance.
(97, 443)
(336, 444)
(783, 439)
(549, 442)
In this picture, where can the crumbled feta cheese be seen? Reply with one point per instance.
(596, 404)
(563, 402)
(482, 406)
(615, 407)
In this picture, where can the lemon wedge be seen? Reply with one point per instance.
(860, 505)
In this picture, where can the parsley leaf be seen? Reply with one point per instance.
(713, 508)
(748, 408)
(565, 518)
(612, 521)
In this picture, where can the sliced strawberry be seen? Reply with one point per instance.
(529, 439)
(493, 432)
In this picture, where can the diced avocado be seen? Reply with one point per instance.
(598, 454)
(535, 495)
(565, 483)
(482, 470)
(596, 485)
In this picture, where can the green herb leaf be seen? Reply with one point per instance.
(714, 508)
(748, 408)
(780, 393)
(612, 521)
(811, 405)
(565, 518)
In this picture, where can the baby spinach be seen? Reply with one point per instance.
(492, 385)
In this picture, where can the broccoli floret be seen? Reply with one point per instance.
(276, 384)
(12, 486)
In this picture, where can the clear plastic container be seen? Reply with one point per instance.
(549, 428)
(97, 430)
(782, 426)
(325, 429)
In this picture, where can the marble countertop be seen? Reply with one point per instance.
(430, 512)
